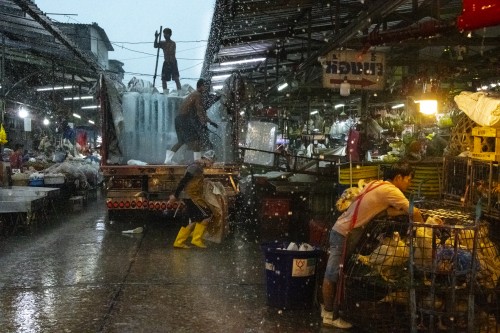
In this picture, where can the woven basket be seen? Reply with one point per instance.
(20, 182)
(461, 138)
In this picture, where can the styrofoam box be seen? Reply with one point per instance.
(54, 180)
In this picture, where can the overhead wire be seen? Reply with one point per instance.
(117, 44)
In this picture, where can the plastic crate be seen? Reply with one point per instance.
(36, 182)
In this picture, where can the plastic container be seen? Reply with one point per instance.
(54, 180)
(290, 276)
(20, 182)
(36, 182)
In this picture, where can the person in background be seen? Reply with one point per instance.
(169, 71)
(190, 124)
(26, 156)
(198, 210)
(16, 158)
(376, 197)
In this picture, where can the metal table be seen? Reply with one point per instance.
(50, 192)
(21, 211)
(24, 206)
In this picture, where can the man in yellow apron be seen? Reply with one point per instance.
(198, 209)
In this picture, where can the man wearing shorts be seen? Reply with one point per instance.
(376, 197)
(169, 70)
(191, 124)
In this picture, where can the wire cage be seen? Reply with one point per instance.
(377, 272)
(485, 185)
(451, 285)
(456, 174)
(466, 181)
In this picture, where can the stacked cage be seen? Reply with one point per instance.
(377, 279)
(467, 181)
(485, 186)
(456, 178)
(450, 286)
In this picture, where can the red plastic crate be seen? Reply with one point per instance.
(275, 207)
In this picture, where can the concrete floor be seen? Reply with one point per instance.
(81, 274)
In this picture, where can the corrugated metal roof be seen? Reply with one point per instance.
(37, 53)
(292, 34)
(102, 34)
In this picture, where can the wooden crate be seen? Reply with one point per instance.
(366, 172)
(486, 143)
(427, 181)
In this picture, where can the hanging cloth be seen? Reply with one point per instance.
(81, 138)
(3, 135)
(353, 150)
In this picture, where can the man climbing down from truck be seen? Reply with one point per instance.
(169, 70)
(190, 124)
(198, 210)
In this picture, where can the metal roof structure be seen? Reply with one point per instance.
(26, 30)
(270, 42)
(36, 52)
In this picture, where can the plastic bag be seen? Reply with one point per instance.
(3, 135)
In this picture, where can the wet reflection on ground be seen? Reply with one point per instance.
(82, 274)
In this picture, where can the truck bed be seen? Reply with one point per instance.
(148, 187)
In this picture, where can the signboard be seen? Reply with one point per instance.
(27, 124)
(362, 71)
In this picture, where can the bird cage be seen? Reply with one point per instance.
(456, 175)
(450, 286)
(485, 185)
(377, 279)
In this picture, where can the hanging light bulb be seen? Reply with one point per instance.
(22, 112)
(428, 106)
(428, 101)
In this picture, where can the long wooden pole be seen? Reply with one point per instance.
(157, 55)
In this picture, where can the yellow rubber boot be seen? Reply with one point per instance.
(198, 232)
(181, 238)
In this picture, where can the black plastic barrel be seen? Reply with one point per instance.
(290, 276)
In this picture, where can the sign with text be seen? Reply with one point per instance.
(362, 71)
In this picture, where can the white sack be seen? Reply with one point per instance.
(482, 108)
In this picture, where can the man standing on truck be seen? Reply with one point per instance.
(190, 124)
(169, 71)
(198, 210)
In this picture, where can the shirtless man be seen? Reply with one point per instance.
(169, 71)
(190, 124)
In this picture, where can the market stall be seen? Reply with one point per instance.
(25, 207)
(437, 275)
(29, 195)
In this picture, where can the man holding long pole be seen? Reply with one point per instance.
(169, 71)
(157, 55)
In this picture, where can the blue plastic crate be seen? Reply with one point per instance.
(35, 182)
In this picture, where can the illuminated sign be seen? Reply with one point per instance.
(362, 71)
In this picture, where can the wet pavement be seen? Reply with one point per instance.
(81, 274)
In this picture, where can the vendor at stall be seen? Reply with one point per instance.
(376, 197)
